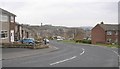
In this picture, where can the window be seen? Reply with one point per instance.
(116, 33)
(12, 19)
(116, 40)
(109, 40)
(3, 34)
(109, 32)
(4, 18)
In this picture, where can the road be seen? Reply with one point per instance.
(68, 55)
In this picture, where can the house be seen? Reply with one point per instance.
(27, 32)
(7, 29)
(105, 33)
(11, 31)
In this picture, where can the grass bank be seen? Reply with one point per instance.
(106, 45)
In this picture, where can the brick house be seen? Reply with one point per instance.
(7, 29)
(105, 33)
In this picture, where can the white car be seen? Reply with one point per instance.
(59, 39)
(47, 41)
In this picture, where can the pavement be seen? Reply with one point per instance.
(10, 53)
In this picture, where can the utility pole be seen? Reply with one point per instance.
(74, 33)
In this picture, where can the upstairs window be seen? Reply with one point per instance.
(4, 18)
(4, 34)
(109, 32)
(12, 19)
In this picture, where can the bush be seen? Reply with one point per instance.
(86, 41)
(83, 41)
(78, 41)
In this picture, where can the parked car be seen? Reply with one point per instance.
(47, 41)
(27, 41)
(60, 39)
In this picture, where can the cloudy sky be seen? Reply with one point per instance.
(71, 13)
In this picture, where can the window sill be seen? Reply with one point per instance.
(3, 38)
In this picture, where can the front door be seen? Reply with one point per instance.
(12, 35)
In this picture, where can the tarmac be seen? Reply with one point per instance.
(11, 53)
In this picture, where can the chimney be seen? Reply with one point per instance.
(102, 23)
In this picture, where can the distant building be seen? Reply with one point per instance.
(79, 34)
(27, 32)
(105, 33)
(17, 31)
(7, 29)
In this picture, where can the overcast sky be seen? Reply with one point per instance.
(71, 13)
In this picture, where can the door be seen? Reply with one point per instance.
(12, 35)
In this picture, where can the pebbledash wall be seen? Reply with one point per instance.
(10, 30)
(7, 22)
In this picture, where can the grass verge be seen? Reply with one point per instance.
(105, 45)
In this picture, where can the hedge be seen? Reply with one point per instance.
(83, 41)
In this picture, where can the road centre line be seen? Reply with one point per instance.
(63, 60)
(82, 51)
(68, 58)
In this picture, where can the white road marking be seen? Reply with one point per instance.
(68, 58)
(63, 60)
(56, 48)
(82, 51)
(118, 56)
(117, 53)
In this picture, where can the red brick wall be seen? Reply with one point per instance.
(98, 35)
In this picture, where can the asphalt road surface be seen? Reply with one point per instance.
(68, 55)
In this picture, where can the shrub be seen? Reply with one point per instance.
(83, 41)
(78, 41)
(86, 41)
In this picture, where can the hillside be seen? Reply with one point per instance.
(66, 32)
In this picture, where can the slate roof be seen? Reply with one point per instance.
(109, 26)
(6, 12)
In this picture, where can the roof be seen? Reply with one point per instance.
(6, 12)
(109, 26)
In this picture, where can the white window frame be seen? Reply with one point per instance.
(4, 16)
(11, 18)
(1, 33)
(116, 33)
(109, 32)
